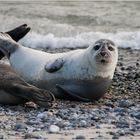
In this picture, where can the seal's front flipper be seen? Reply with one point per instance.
(19, 32)
(41, 97)
(54, 66)
(71, 93)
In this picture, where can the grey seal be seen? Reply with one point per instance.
(13, 89)
(82, 74)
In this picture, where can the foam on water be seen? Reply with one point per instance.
(121, 39)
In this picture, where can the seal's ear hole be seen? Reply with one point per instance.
(96, 47)
(111, 48)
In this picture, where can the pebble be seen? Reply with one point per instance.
(83, 123)
(137, 115)
(121, 132)
(115, 137)
(32, 122)
(54, 129)
(42, 115)
(20, 127)
(80, 137)
(98, 126)
(137, 126)
(1, 137)
(125, 103)
(32, 136)
(121, 110)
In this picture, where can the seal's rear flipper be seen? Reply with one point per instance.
(19, 32)
(16, 34)
(39, 96)
(70, 93)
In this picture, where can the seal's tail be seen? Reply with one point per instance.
(16, 34)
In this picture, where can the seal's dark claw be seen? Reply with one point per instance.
(44, 98)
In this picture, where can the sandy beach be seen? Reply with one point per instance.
(117, 114)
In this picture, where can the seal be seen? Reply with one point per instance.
(83, 74)
(14, 90)
(17, 33)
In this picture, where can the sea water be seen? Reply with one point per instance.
(72, 24)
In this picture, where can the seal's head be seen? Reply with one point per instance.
(103, 55)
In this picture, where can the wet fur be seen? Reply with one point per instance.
(14, 90)
(46, 70)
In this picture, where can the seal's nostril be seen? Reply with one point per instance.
(103, 53)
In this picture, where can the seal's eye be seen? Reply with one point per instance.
(111, 48)
(96, 47)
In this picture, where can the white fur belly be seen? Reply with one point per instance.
(73, 69)
(28, 65)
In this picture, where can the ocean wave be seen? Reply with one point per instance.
(121, 39)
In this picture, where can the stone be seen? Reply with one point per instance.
(80, 137)
(32, 136)
(1, 137)
(20, 126)
(115, 137)
(54, 129)
(137, 115)
(125, 103)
